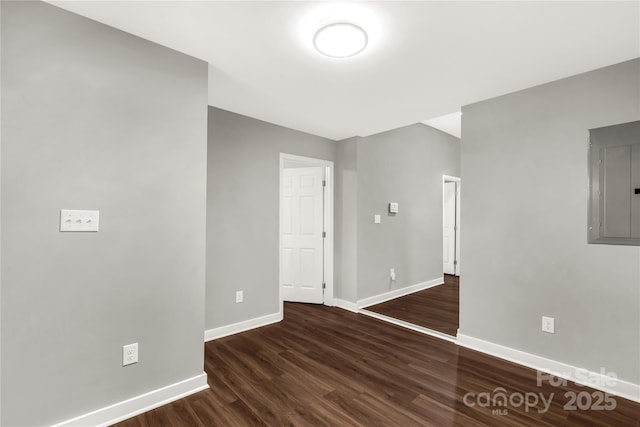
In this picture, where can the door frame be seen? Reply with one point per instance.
(445, 179)
(328, 298)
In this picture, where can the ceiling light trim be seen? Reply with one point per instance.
(360, 42)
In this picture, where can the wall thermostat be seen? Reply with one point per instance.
(393, 207)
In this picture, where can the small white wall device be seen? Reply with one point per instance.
(72, 220)
(393, 207)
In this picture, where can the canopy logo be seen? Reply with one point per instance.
(499, 400)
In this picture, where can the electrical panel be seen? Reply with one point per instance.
(614, 184)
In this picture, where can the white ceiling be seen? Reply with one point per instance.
(449, 123)
(426, 59)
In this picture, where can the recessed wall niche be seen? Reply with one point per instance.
(614, 185)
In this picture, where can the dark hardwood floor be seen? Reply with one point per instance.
(435, 308)
(325, 366)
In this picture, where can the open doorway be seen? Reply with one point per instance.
(436, 310)
(306, 230)
(451, 225)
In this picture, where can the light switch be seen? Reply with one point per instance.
(376, 219)
(73, 220)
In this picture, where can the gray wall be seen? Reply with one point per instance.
(406, 166)
(94, 118)
(346, 226)
(524, 212)
(243, 191)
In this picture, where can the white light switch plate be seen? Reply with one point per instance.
(376, 219)
(73, 220)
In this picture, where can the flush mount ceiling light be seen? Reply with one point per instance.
(340, 40)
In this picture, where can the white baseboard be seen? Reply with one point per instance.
(596, 380)
(345, 305)
(377, 299)
(136, 405)
(408, 325)
(243, 326)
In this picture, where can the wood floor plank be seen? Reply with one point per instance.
(325, 366)
(435, 308)
(212, 414)
(313, 383)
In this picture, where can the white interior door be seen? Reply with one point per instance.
(449, 228)
(457, 229)
(302, 235)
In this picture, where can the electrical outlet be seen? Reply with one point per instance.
(130, 354)
(548, 324)
(239, 296)
(392, 274)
